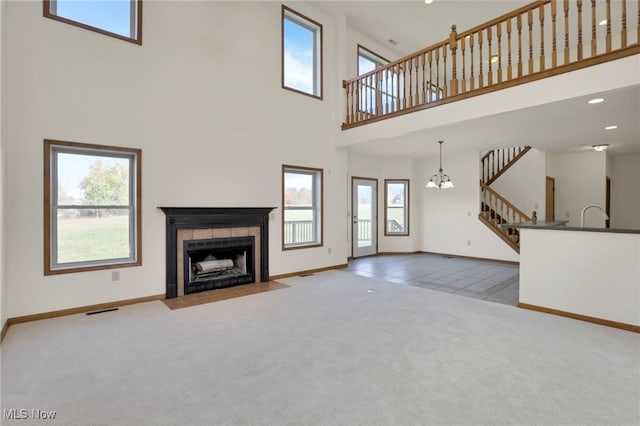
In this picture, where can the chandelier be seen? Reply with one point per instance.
(440, 180)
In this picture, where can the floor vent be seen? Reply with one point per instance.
(448, 256)
(102, 311)
(305, 275)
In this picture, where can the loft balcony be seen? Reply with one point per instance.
(542, 39)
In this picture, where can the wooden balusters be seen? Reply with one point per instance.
(519, 20)
(580, 47)
(490, 56)
(594, 41)
(623, 30)
(554, 50)
(410, 95)
(608, 36)
(464, 65)
(473, 78)
(509, 66)
(530, 23)
(445, 91)
(566, 32)
(429, 76)
(499, 37)
(541, 17)
(453, 46)
(480, 76)
(437, 74)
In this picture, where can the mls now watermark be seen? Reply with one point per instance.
(24, 414)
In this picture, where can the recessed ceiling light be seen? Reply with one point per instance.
(601, 147)
(603, 22)
(611, 127)
(494, 59)
(428, 1)
(596, 101)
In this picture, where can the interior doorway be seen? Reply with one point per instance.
(550, 202)
(364, 197)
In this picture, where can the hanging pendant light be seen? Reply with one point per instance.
(440, 180)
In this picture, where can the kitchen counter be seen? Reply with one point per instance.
(561, 225)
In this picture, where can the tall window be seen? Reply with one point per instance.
(92, 199)
(301, 53)
(116, 18)
(379, 93)
(302, 207)
(396, 206)
(368, 61)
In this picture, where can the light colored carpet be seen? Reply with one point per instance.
(333, 349)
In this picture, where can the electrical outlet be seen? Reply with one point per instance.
(468, 242)
(566, 214)
(329, 250)
(115, 275)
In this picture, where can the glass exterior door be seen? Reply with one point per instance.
(365, 207)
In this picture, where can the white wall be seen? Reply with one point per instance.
(580, 181)
(450, 216)
(202, 99)
(625, 191)
(389, 168)
(523, 184)
(588, 273)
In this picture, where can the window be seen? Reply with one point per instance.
(116, 18)
(92, 200)
(301, 54)
(302, 207)
(372, 100)
(396, 206)
(368, 61)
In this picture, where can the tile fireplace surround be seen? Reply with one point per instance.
(194, 223)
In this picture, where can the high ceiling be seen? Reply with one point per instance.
(413, 24)
(569, 126)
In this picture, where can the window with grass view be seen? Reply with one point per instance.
(301, 53)
(117, 18)
(302, 207)
(396, 208)
(93, 195)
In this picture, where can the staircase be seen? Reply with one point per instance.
(494, 208)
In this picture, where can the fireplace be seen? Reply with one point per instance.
(213, 247)
(218, 262)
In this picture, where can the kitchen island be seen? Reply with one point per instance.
(591, 274)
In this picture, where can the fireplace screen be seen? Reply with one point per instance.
(218, 262)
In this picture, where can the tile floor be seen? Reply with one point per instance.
(491, 281)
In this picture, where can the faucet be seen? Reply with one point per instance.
(604, 215)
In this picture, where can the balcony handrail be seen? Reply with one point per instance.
(535, 41)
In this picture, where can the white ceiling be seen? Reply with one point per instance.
(567, 126)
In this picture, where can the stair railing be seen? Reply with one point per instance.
(494, 163)
(539, 40)
(496, 209)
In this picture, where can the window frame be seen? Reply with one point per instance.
(406, 182)
(136, 21)
(370, 55)
(316, 27)
(51, 149)
(318, 211)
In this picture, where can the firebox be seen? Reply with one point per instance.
(218, 262)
